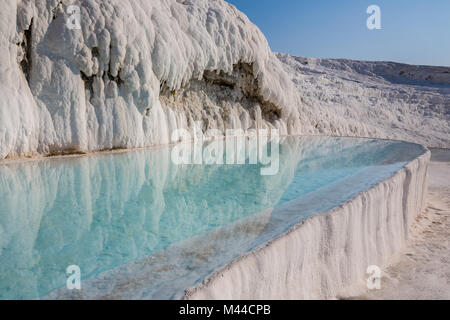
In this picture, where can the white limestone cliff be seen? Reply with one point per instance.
(137, 70)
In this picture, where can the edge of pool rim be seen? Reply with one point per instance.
(262, 274)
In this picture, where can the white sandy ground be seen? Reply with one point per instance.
(422, 269)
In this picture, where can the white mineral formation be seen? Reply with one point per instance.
(134, 72)
(138, 69)
(377, 99)
(327, 256)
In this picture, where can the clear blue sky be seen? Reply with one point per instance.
(413, 31)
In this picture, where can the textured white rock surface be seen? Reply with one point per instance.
(421, 269)
(139, 69)
(99, 87)
(327, 255)
(376, 99)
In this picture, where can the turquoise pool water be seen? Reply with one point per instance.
(141, 227)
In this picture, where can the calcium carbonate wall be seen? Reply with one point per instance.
(137, 70)
(327, 255)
